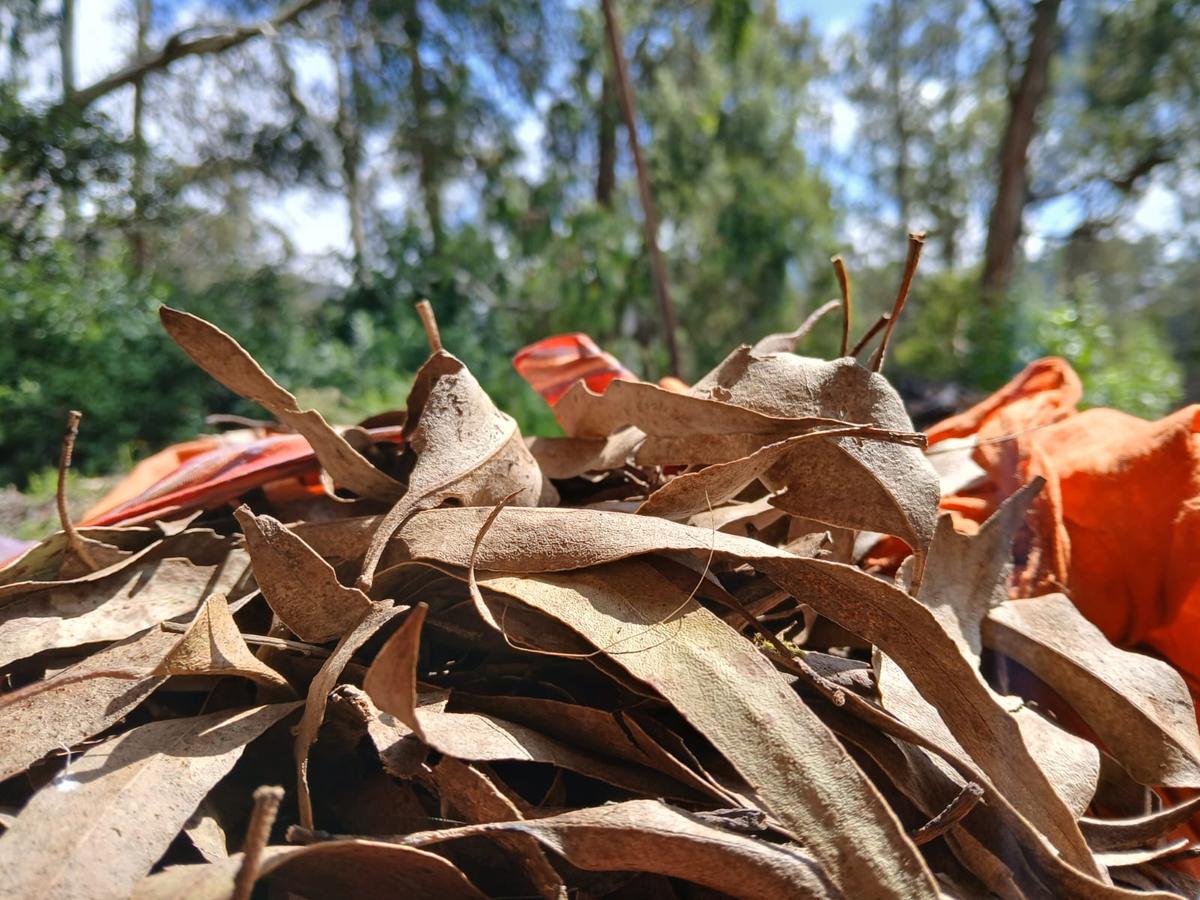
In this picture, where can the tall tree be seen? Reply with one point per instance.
(66, 49)
(346, 47)
(1028, 89)
(66, 56)
(658, 269)
(140, 186)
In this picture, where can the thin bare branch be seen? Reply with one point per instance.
(266, 807)
(179, 46)
(880, 323)
(650, 216)
(429, 323)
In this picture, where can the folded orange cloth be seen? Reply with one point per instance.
(552, 365)
(211, 471)
(1118, 523)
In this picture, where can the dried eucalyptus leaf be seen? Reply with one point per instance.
(669, 428)
(1139, 706)
(223, 358)
(649, 836)
(883, 487)
(391, 684)
(473, 797)
(114, 607)
(297, 583)
(466, 450)
(595, 729)
(650, 628)
(213, 645)
(96, 830)
(364, 870)
(80, 707)
(1121, 834)
(318, 694)
(967, 575)
(696, 492)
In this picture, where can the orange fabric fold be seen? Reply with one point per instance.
(1117, 525)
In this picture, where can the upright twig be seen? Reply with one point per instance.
(658, 267)
(74, 541)
(266, 806)
(916, 242)
(843, 277)
(429, 323)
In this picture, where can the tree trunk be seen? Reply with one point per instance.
(137, 235)
(66, 57)
(66, 48)
(606, 175)
(1025, 99)
(899, 120)
(350, 145)
(427, 174)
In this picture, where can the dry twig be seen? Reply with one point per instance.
(266, 807)
(64, 515)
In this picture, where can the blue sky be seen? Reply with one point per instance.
(824, 16)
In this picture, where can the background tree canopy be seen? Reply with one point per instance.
(301, 173)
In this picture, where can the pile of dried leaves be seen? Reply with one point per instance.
(636, 661)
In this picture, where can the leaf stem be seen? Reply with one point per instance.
(870, 334)
(262, 640)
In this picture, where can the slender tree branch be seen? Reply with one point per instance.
(179, 46)
(916, 241)
(1124, 182)
(650, 217)
(260, 640)
(880, 323)
(429, 322)
(1010, 48)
